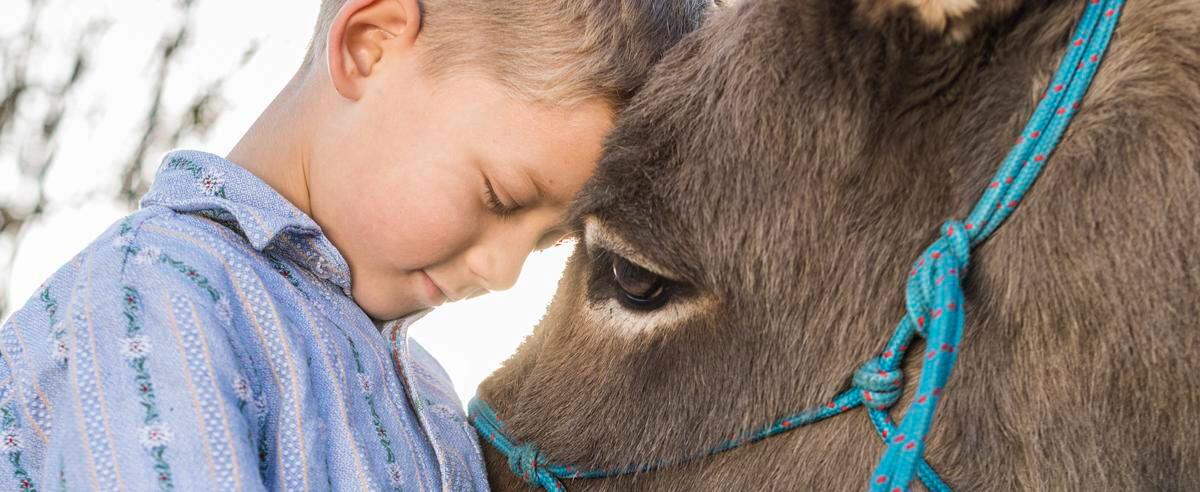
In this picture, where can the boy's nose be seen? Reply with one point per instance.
(499, 266)
(498, 259)
(500, 252)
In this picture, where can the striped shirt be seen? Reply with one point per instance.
(208, 341)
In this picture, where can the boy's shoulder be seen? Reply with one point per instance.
(157, 240)
(151, 249)
(204, 221)
(210, 230)
(146, 269)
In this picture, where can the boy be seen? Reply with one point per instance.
(224, 337)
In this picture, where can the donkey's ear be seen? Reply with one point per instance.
(955, 19)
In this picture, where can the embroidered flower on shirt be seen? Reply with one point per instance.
(61, 351)
(121, 242)
(12, 445)
(212, 183)
(56, 329)
(155, 435)
(241, 388)
(147, 255)
(10, 442)
(135, 347)
(396, 473)
(364, 382)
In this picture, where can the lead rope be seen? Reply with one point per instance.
(933, 303)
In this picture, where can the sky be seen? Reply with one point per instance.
(470, 338)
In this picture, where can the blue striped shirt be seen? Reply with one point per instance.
(209, 342)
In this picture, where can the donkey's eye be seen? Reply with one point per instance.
(639, 288)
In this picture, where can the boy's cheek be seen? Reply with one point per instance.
(437, 230)
(386, 265)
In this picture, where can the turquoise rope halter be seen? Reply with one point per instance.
(934, 303)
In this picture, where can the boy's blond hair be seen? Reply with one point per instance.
(556, 51)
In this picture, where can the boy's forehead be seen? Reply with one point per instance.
(580, 135)
(557, 186)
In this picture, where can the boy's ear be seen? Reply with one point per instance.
(362, 33)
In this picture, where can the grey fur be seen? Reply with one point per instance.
(790, 159)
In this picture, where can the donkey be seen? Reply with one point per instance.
(748, 234)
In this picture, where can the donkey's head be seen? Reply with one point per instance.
(746, 239)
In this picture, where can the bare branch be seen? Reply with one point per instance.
(39, 133)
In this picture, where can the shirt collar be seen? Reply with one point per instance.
(197, 182)
(397, 329)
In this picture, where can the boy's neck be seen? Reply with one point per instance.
(273, 148)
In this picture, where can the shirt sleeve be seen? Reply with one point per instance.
(154, 395)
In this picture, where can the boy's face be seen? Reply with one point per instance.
(400, 177)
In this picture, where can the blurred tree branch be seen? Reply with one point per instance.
(30, 132)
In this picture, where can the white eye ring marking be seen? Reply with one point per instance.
(596, 237)
(611, 313)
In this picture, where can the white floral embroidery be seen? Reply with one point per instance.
(241, 388)
(121, 242)
(147, 255)
(212, 182)
(61, 351)
(155, 435)
(395, 473)
(10, 442)
(364, 381)
(135, 347)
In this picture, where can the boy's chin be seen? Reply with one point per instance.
(380, 307)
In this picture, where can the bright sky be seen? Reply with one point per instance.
(470, 338)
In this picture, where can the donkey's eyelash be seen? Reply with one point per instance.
(494, 202)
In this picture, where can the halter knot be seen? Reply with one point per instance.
(880, 388)
(523, 461)
(948, 256)
(957, 239)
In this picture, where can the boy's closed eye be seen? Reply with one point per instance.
(494, 203)
(502, 203)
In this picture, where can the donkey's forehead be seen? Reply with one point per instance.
(729, 143)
